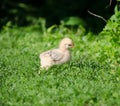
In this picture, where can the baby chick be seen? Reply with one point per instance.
(56, 56)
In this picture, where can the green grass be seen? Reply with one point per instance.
(91, 78)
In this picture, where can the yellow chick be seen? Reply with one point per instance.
(57, 56)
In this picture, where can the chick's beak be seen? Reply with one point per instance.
(72, 46)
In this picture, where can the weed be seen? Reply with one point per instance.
(92, 77)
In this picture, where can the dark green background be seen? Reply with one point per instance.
(21, 11)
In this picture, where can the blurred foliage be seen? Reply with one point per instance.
(26, 11)
(113, 26)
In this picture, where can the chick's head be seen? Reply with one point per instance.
(66, 43)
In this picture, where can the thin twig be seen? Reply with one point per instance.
(97, 16)
(110, 2)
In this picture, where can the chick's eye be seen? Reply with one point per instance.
(69, 45)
